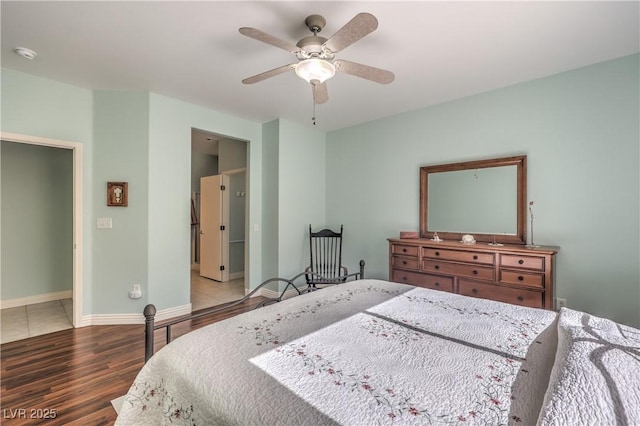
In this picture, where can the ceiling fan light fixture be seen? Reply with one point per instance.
(315, 69)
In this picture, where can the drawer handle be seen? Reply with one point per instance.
(521, 262)
(437, 253)
(475, 272)
(437, 284)
(474, 290)
(404, 250)
(520, 298)
(404, 262)
(404, 278)
(475, 257)
(520, 278)
(437, 266)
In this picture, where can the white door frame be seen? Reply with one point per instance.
(77, 209)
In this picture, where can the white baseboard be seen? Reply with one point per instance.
(272, 294)
(236, 275)
(39, 298)
(164, 314)
(129, 319)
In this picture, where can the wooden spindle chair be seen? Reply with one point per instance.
(326, 258)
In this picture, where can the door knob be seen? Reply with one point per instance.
(201, 232)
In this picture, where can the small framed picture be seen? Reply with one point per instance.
(117, 194)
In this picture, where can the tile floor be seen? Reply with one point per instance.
(34, 320)
(206, 292)
(42, 318)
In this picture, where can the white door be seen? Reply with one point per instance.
(214, 226)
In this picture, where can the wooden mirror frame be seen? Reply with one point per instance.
(521, 198)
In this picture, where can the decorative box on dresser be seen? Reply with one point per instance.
(509, 273)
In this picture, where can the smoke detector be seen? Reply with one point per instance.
(25, 53)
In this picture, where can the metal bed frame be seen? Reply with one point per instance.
(150, 310)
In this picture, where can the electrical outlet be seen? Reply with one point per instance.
(136, 293)
(560, 303)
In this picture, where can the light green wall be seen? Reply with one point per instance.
(37, 219)
(579, 130)
(63, 111)
(270, 165)
(170, 123)
(121, 144)
(39, 107)
(144, 139)
(294, 169)
(202, 165)
(232, 155)
(301, 193)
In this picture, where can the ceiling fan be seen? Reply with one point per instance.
(316, 63)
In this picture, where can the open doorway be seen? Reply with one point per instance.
(216, 158)
(42, 223)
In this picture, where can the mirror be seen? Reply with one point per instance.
(485, 198)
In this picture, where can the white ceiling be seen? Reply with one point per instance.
(192, 51)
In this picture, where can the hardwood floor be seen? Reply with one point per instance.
(72, 375)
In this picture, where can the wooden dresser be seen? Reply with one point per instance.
(509, 273)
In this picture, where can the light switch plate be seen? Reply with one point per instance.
(104, 223)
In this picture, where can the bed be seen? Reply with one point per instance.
(372, 352)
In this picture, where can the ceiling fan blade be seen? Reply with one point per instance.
(269, 39)
(320, 92)
(364, 71)
(271, 73)
(361, 25)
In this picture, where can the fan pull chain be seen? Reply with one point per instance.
(313, 119)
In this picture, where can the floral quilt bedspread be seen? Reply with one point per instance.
(423, 357)
(596, 375)
(363, 353)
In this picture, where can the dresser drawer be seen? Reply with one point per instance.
(528, 262)
(459, 255)
(529, 279)
(434, 282)
(515, 296)
(506, 273)
(481, 272)
(404, 250)
(405, 262)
